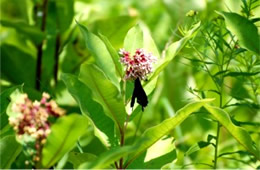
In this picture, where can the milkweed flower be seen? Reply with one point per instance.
(137, 68)
(139, 65)
(30, 120)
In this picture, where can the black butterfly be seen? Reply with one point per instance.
(139, 93)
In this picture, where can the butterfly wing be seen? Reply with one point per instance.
(140, 94)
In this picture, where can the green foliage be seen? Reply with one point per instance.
(78, 158)
(111, 100)
(114, 56)
(237, 132)
(174, 49)
(28, 31)
(108, 158)
(244, 29)
(13, 57)
(93, 110)
(134, 39)
(102, 56)
(64, 134)
(70, 49)
(153, 134)
(10, 149)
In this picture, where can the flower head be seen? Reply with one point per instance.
(139, 65)
(30, 121)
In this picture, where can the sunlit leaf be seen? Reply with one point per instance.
(114, 55)
(108, 158)
(102, 57)
(244, 29)
(196, 147)
(153, 134)
(31, 32)
(64, 134)
(115, 28)
(134, 39)
(78, 158)
(239, 133)
(104, 92)
(159, 154)
(83, 95)
(158, 162)
(9, 150)
(173, 50)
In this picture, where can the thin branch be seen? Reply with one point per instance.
(57, 53)
(39, 47)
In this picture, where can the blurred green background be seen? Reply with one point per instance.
(25, 29)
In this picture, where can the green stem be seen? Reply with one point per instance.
(218, 126)
(137, 127)
(122, 133)
(79, 147)
(216, 147)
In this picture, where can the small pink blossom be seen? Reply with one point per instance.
(139, 65)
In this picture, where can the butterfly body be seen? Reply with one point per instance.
(140, 94)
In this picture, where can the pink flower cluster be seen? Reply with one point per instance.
(31, 119)
(139, 65)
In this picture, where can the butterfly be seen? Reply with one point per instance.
(140, 94)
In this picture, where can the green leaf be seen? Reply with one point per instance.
(239, 133)
(9, 150)
(244, 29)
(65, 11)
(114, 28)
(108, 158)
(158, 162)
(173, 50)
(134, 39)
(148, 41)
(196, 147)
(31, 32)
(114, 55)
(140, 37)
(234, 74)
(64, 134)
(102, 57)
(105, 93)
(12, 57)
(5, 100)
(89, 107)
(153, 134)
(77, 158)
(159, 154)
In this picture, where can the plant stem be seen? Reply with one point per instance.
(79, 147)
(218, 126)
(57, 52)
(137, 127)
(39, 47)
(122, 141)
(216, 147)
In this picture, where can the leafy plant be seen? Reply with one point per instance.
(194, 74)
